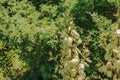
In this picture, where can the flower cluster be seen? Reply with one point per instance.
(72, 66)
(111, 68)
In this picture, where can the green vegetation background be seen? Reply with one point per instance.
(32, 31)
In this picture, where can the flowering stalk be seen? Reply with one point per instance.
(112, 67)
(72, 66)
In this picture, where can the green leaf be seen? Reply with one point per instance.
(56, 68)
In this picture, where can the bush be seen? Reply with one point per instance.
(59, 40)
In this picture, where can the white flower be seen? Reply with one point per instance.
(69, 28)
(116, 51)
(109, 65)
(71, 22)
(82, 66)
(68, 41)
(75, 60)
(73, 70)
(79, 41)
(118, 31)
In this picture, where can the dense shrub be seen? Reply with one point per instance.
(59, 39)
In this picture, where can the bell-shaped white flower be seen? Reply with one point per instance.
(71, 22)
(116, 51)
(79, 41)
(68, 41)
(81, 66)
(69, 28)
(118, 32)
(109, 65)
(74, 60)
(75, 34)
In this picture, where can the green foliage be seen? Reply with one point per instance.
(26, 40)
(41, 39)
